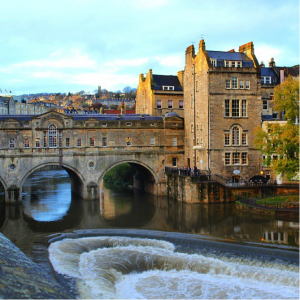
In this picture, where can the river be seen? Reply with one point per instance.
(131, 267)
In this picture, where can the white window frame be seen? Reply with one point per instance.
(174, 141)
(12, 143)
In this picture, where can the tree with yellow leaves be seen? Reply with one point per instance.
(281, 139)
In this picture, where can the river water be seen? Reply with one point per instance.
(132, 267)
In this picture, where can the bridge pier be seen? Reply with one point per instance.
(13, 195)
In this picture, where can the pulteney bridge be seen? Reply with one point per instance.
(87, 146)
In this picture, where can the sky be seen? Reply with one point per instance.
(61, 46)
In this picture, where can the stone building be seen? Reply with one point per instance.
(159, 94)
(222, 92)
(272, 76)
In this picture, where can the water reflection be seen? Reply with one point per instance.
(48, 200)
(48, 208)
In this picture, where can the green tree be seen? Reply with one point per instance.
(280, 140)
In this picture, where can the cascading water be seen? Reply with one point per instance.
(135, 268)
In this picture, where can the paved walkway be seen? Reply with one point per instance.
(21, 278)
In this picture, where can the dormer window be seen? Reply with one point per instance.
(213, 62)
(168, 88)
(266, 80)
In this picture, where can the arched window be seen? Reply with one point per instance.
(235, 136)
(52, 136)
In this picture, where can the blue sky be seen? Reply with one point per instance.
(71, 45)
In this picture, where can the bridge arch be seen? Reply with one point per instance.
(147, 181)
(77, 180)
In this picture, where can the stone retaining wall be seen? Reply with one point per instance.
(21, 278)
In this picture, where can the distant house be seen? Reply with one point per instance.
(159, 94)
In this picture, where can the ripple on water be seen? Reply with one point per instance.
(122, 267)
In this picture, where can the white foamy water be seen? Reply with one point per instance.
(133, 268)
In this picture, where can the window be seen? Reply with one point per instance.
(244, 158)
(235, 158)
(234, 82)
(192, 101)
(168, 88)
(174, 162)
(170, 104)
(241, 84)
(213, 62)
(37, 143)
(158, 103)
(244, 108)
(152, 141)
(235, 108)
(197, 86)
(45, 139)
(67, 142)
(104, 124)
(197, 126)
(52, 136)
(12, 143)
(226, 64)
(79, 142)
(104, 141)
(227, 85)
(227, 158)
(227, 108)
(180, 103)
(174, 141)
(244, 138)
(192, 127)
(233, 64)
(235, 136)
(239, 64)
(247, 84)
(92, 142)
(227, 139)
(128, 141)
(265, 104)
(59, 139)
(26, 143)
(197, 141)
(128, 124)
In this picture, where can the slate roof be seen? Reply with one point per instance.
(132, 117)
(221, 56)
(168, 80)
(16, 117)
(294, 71)
(268, 72)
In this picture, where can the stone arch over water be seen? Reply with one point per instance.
(77, 180)
(147, 179)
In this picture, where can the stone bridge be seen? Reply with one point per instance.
(87, 146)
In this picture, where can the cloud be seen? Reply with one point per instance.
(60, 60)
(264, 53)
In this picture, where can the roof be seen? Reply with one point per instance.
(268, 72)
(294, 71)
(125, 117)
(234, 56)
(166, 80)
(171, 114)
(221, 56)
(16, 117)
(129, 117)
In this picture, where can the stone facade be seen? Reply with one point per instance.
(222, 95)
(87, 146)
(159, 94)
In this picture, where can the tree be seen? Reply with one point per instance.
(286, 97)
(279, 141)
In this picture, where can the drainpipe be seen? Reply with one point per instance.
(208, 129)
(194, 144)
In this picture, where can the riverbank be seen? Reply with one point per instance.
(21, 278)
